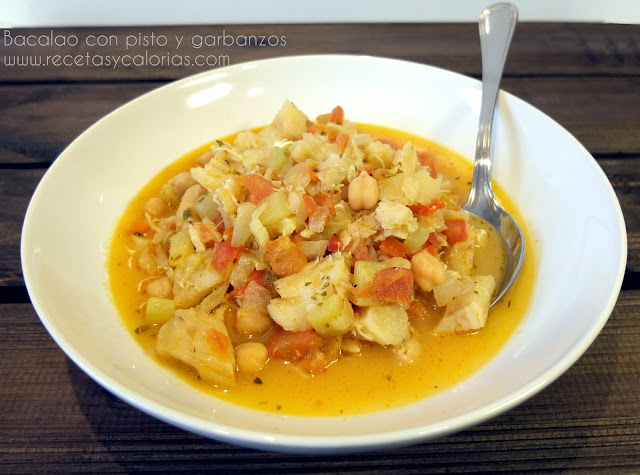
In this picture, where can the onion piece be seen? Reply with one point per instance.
(313, 249)
(450, 289)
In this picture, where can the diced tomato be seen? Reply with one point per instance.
(256, 300)
(315, 128)
(313, 175)
(421, 210)
(257, 276)
(317, 362)
(391, 144)
(437, 239)
(285, 258)
(360, 251)
(139, 227)
(391, 284)
(258, 186)
(293, 346)
(239, 292)
(326, 200)
(319, 218)
(335, 244)
(337, 115)
(393, 247)
(224, 254)
(342, 140)
(426, 160)
(427, 210)
(434, 242)
(220, 342)
(323, 211)
(369, 169)
(430, 248)
(417, 310)
(297, 238)
(332, 134)
(456, 230)
(227, 233)
(379, 173)
(205, 234)
(309, 204)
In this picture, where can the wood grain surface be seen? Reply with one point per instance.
(55, 419)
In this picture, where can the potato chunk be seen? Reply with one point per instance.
(469, 311)
(291, 121)
(334, 317)
(200, 341)
(302, 293)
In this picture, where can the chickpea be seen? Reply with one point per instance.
(350, 345)
(181, 182)
(363, 192)
(156, 207)
(160, 287)
(428, 271)
(251, 322)
(147, 260)
(205, 158)
(251, 357)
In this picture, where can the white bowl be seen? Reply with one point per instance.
(568, 203)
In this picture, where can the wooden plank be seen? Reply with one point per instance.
(602, 113)
(537, 49)
(624, 176)
(16, 188)
(39, 122)
(589, 419)
(633, 250)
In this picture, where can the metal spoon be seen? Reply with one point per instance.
(497, 24)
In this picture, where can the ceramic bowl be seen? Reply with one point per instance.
(567, 201)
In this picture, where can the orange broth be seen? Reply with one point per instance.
(371, 381)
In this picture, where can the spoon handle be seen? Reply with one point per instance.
(497, 24)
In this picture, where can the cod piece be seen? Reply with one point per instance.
(468, 311)
(201, 341)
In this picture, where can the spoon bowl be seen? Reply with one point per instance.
(497, 24)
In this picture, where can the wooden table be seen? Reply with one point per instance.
(55, 418)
